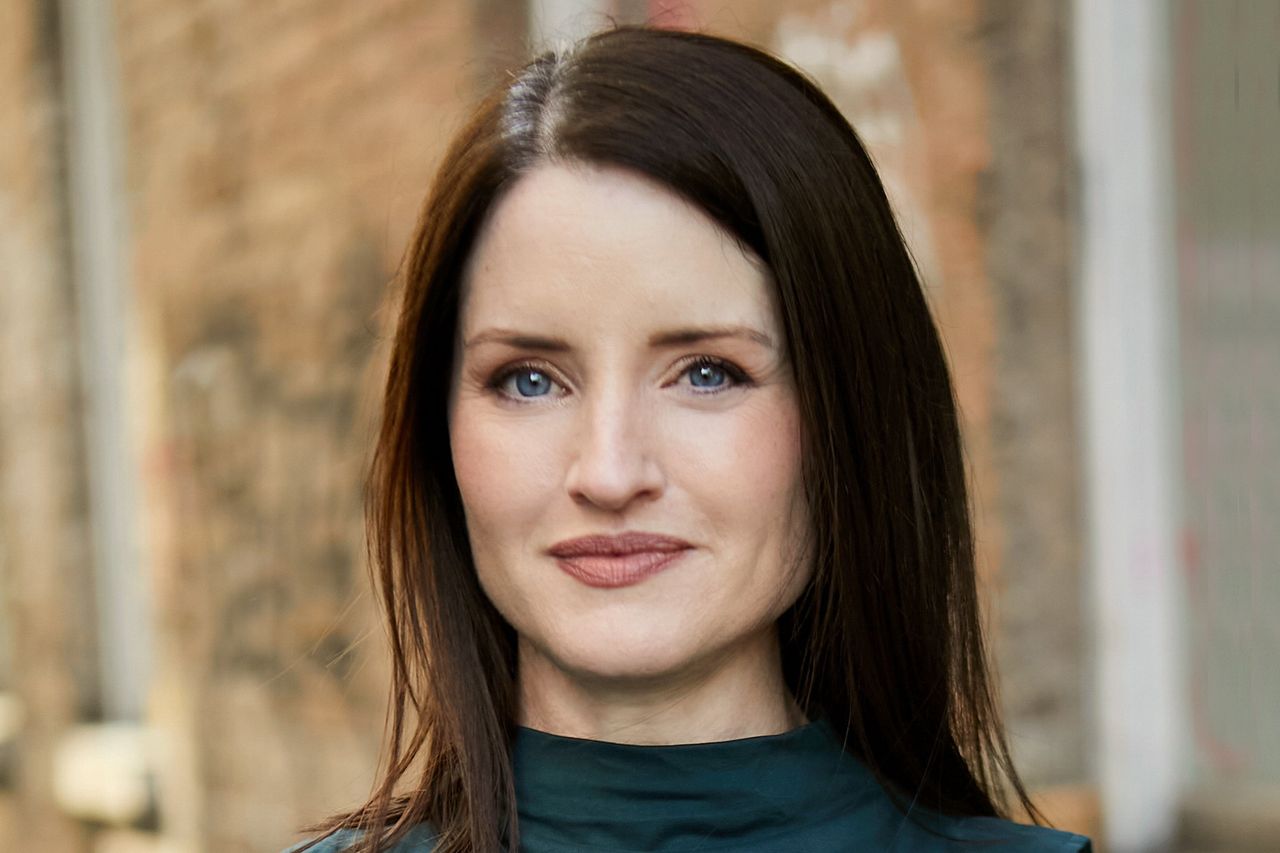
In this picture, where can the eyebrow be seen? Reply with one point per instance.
(670, 338)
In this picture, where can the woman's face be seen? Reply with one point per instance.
(620, 368)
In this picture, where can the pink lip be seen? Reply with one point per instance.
(615, 561)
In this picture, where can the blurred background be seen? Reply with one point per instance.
(203, 205)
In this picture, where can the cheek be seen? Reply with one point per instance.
(505, 472)
(748, 464)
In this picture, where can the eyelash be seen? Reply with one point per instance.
(738, 377)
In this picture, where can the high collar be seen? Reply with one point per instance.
(578, 794)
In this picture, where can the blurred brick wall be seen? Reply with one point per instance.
(1027, 208)
(277, 155)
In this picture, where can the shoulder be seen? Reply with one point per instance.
(420, 839)
(1013, 837)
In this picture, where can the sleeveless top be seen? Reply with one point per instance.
(793, 792)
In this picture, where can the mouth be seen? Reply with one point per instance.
(608, 561)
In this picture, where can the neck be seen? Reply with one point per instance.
(736, 693)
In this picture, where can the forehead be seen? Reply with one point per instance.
(595, 243)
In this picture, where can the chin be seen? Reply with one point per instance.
(638, 654)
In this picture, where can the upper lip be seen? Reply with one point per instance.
(631, 542)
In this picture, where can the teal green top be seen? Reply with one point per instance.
(786, 793)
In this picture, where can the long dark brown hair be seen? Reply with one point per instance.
(886, 641)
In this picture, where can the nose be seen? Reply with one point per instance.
(615, 463)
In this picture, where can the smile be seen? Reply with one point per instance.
(622, 559)
(609, 571)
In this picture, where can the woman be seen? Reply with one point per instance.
(668, 508)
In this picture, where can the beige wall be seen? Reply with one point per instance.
(45, 628)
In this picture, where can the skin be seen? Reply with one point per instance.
(612, 434)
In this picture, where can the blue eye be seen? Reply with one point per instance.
(707, 375)
(530, 382)
(713, 375)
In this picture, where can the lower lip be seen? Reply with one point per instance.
(620, 570)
